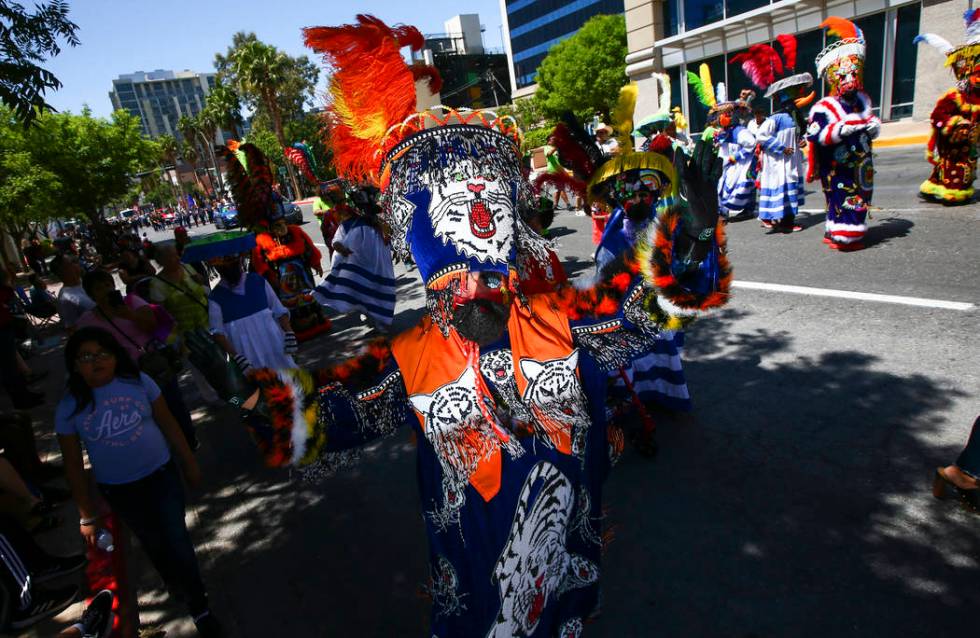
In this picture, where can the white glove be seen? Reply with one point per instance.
(291, 345)
(873, 127)
(243, 363)
(846, 130)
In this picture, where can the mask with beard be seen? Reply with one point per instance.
(481, 320)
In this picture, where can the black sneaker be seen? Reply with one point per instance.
(59, 566)
(44, 605)
(208, 626)
(98, 617)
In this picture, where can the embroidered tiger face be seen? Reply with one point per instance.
(456, 427)
(557, 400)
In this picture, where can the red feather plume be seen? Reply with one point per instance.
(787, 43)
(430, 72)
(299, 160)
(761, 64)
(571, 152)
(252, 189)
(372, 86)
(560, 182)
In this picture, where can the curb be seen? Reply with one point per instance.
(904, 140)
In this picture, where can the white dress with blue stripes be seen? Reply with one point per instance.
(781, 179)
(736, 188)
(364, 280)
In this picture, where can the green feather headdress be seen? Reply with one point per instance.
(702, 85)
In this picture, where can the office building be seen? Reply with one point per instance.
(531, 27)
(472, 76)
(160, 98)
(675, 36)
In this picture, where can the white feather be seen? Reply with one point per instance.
(936, 41)
(721, 95)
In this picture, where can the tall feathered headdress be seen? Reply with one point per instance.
(764, 67)
(250, 181)
(301, 162)
(960, 58)
(622, 116)
(372, 88)
(850, 42)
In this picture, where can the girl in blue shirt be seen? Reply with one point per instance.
(129, 434)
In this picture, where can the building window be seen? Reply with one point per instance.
(735, 7)
(698, 13)
(903, 76)
(672, 15)
(674, 73)
(874, 34)
(808, 45)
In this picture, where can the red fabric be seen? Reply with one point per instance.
(537, 280)
(267, 250)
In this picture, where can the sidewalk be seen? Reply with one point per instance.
(904, 133)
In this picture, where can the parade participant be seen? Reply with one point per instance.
(362, 276)
(952, 149)
(323, 210)
(704, 90)
(505, 391)
(841, 128)
(283, 254)
(736, 148)
(244, 313)
(780, 136)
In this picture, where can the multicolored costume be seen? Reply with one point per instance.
(284, 254)
(513, 444)
(841, 128)
(952, 148)
(780, 135)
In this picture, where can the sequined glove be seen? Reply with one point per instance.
(291, 345)
(243, 363)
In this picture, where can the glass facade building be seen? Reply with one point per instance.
(160, 98)
(691, 32)
(534, 26)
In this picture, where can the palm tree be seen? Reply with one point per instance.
(200, 131)
(260, 70)
(224, 107)
(169, 152)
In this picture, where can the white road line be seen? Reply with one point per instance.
(862, 296)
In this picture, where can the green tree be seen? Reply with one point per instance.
(94, 158)
(311, 130)
(584, 73)
(26, 39)
(272, 83)
(224, 107)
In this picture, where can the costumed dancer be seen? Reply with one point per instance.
(736, 148)
(284, 254)
(504, 390)
(952, 149)
(841, 128)
(663, 132)
(780, 136)
(246, 317)
(362, 276)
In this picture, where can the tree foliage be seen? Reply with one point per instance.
(274, 84)
(28, 189)
(26, 39)
(584, 73)
(224, 107)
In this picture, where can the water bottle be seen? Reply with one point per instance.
(103, 539)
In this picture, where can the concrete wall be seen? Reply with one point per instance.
(644, 25)
(932, 79)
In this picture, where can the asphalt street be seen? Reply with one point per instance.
(792, 502)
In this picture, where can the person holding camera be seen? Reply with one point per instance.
(132, 321)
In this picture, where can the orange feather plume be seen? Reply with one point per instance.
(372, 88)
(839, 27)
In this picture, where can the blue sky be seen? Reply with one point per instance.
(142, 35)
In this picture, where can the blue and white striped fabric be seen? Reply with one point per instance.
(781, 178)
(736, 188)
(658, 376)
(363, 281)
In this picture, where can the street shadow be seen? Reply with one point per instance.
(795, 502)
(559, 231)
(809, 220)
(884, 230)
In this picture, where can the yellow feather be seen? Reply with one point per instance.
(622, 116)
(709, 87)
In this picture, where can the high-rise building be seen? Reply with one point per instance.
(531, 27)
(160, 98)
(472, 76)
(675, 36)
